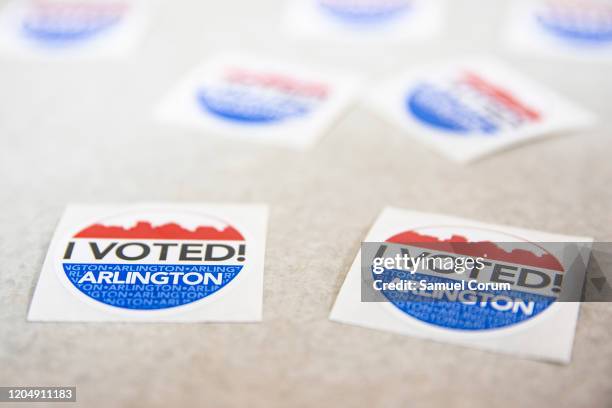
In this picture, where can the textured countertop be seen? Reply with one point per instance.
(83, 132)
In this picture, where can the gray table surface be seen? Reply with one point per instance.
(83, 132)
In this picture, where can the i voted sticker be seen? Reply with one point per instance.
(364, 21)
(252, 96)
(63, 24)
(465, 282)
(579, 22)
(258, 100)
(468, 104)
(472, 108)
(71, 28)
(536, 283)
(139, 262)
(579, 29)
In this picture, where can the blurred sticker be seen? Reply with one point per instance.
(581, 29)
(362, 21)
(259, 100)
(524, 320)
(154, 262)
(469, 109)
(71, 28)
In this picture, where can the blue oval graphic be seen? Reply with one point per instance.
(443, 110)
(356, 12)
(577, 26)
(59, 31)
(250, 105)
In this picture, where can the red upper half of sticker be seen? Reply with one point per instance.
(281, 82)
(501, 95)
(145, 230)
(459, 244)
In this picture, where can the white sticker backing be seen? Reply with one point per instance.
(259, 100)
(468, 109)
(72, 29)
(154, 263)
(526, 320)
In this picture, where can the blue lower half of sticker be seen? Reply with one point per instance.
(463, 309)
(576, 32)
(250, 106)
(442, 110)
(61, 34)
(149, 286)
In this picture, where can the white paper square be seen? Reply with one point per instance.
(72, 29)
(579, 30)
(259, 100)
(468, 109)
(548, 335)
(364, 21)
(107, 274)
